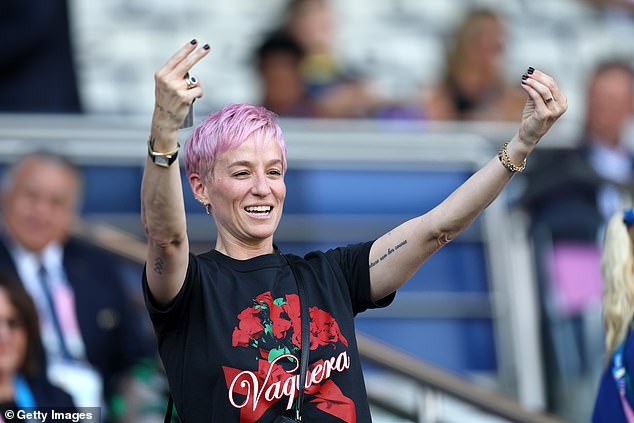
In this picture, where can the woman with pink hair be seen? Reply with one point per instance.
(231, 323)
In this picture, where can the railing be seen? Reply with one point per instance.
(439, 381)
(426, 376)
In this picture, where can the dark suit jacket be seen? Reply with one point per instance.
(47, 395)
(114, 332)
(561, 193)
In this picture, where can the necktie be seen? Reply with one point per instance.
(46, 289)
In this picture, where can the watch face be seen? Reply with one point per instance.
(162, 161)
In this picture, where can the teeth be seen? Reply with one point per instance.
(258, 209)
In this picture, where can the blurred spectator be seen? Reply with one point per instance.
(574, 192)
(614, 396)
(37, 72)
(473, 87)
(279, 60)
(336, 92)
(22, 383)
(91, 333)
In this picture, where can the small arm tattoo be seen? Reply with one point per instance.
(389, 252)
(171, 114)
(159, 266)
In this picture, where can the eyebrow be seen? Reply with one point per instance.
(249, 164)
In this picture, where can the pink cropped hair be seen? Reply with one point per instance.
(227, 129)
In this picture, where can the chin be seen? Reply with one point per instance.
(262, 233)
(261, 236)
(37, 245)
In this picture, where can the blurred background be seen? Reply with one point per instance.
(387, 106)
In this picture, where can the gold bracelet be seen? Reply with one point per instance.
(505, 159)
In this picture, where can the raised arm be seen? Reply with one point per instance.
(163, 209)
(396, 256)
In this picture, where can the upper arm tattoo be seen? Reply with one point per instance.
(387, 253)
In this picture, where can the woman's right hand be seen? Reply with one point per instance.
(172, 95)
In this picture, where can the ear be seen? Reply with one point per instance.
(197, 184)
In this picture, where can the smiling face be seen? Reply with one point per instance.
(246, 191)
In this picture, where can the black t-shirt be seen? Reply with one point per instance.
(227, 338)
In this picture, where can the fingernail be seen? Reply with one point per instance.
(531, 70)
(194, 41)
(524, 77)
(206, 46)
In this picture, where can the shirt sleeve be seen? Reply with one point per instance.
(172, 315)
(353, 260)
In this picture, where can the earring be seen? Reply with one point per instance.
(207, 206)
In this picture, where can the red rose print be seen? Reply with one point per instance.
(292, 310)
(324, 329)
(265, 298)
(273, 326)
(280, 324)
(264, 353)
(249, 328)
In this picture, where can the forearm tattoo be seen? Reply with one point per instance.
(389, 252)
(159, 266)
(169, 113)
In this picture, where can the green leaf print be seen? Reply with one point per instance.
(276, 352)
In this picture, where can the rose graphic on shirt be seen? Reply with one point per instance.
(249, 329)
(273, 327)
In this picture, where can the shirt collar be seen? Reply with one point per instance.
(51, 256)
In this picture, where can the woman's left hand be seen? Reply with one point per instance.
(545, 104)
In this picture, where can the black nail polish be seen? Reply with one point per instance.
(206, 46)
(194, 41)
(524, 77)
(530, 70)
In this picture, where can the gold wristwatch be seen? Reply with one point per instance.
(161, 159)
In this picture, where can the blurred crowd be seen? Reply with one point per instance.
(298, 57)
(70, 333)
(300, 76)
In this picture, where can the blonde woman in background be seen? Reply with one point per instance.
(473, 86)
(614, 399)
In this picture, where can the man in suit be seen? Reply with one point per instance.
(91, 333)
